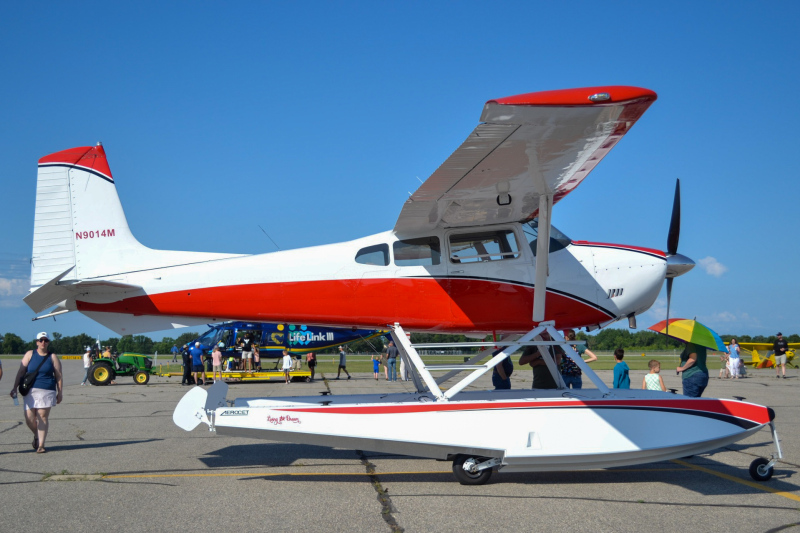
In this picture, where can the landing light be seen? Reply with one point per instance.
(600, 97)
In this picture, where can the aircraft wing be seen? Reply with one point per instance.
(525, 146)
(765, 345)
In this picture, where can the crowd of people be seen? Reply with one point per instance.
(545, 361)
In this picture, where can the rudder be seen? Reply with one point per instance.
(79, 219)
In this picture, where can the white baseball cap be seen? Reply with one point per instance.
(42, 335)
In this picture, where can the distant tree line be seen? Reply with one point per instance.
(607, 340)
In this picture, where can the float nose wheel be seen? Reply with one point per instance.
(471, 470)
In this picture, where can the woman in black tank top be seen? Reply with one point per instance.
(46, 390)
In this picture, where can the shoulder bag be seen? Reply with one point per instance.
(27, 380)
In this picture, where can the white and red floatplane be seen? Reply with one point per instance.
(473, 251)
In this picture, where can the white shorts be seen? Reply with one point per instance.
(780, 359)
(40, 399)
(247, 355)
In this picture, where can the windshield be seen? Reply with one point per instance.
(558, 241)
(216, 335)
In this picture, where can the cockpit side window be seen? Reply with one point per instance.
(374, 255)
(424, 251)
(483, 246)
(558, 241)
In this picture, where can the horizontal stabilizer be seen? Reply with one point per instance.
(98, 291)
(48, 294)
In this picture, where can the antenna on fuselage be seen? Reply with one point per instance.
(270, 238)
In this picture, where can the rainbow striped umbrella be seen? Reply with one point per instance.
(688, 330)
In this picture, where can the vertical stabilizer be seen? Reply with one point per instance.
(80, 225)
(79, 219)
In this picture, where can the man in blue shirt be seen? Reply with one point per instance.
(174, 351)
(196, 352)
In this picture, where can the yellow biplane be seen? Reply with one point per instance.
(762, 355)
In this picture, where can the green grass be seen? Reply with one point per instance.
(329, 364)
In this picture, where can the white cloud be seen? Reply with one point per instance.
(12, 291)
(723, 318)
(712, 266)
(659, 309)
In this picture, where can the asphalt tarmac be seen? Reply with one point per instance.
(116, 462)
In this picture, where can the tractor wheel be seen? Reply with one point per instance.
(141, 377)
(100, 374)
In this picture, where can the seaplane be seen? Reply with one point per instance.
(473, 251)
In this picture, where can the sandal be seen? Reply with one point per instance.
(41, 450)
(35, 443)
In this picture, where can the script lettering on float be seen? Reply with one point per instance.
(94, 234)
(279, 420)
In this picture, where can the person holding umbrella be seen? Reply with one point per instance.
(694, 369)
(693, 358)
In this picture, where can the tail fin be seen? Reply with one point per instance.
(80, 223)
(78, 216)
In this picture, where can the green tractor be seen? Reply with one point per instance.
(104, 370)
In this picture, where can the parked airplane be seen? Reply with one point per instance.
(472, 251)
(762, 356)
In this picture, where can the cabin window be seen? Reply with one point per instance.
(558, 241)
(374, 255)
(417, 252)
(483, 246)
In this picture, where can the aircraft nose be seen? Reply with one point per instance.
(678, 265)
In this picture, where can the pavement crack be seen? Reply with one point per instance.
(387, 507)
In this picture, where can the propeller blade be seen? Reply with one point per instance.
(669, 299)
(675, 223)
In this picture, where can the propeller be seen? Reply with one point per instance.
(677, 264)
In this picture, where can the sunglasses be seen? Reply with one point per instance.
(43, 340)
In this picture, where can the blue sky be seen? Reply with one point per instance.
(315, 119)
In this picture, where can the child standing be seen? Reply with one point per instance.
(287, 365)
(622, 379)
(376, 365)
(724, 372)
(653, 380)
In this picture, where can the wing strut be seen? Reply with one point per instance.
(423, 372)
(542, 255)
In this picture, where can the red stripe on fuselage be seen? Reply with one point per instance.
(651, 251)
(446, 304)
(754, 413)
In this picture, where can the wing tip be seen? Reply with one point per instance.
(584, 96)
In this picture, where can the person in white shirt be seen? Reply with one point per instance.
(287, 365)
(87, 363)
